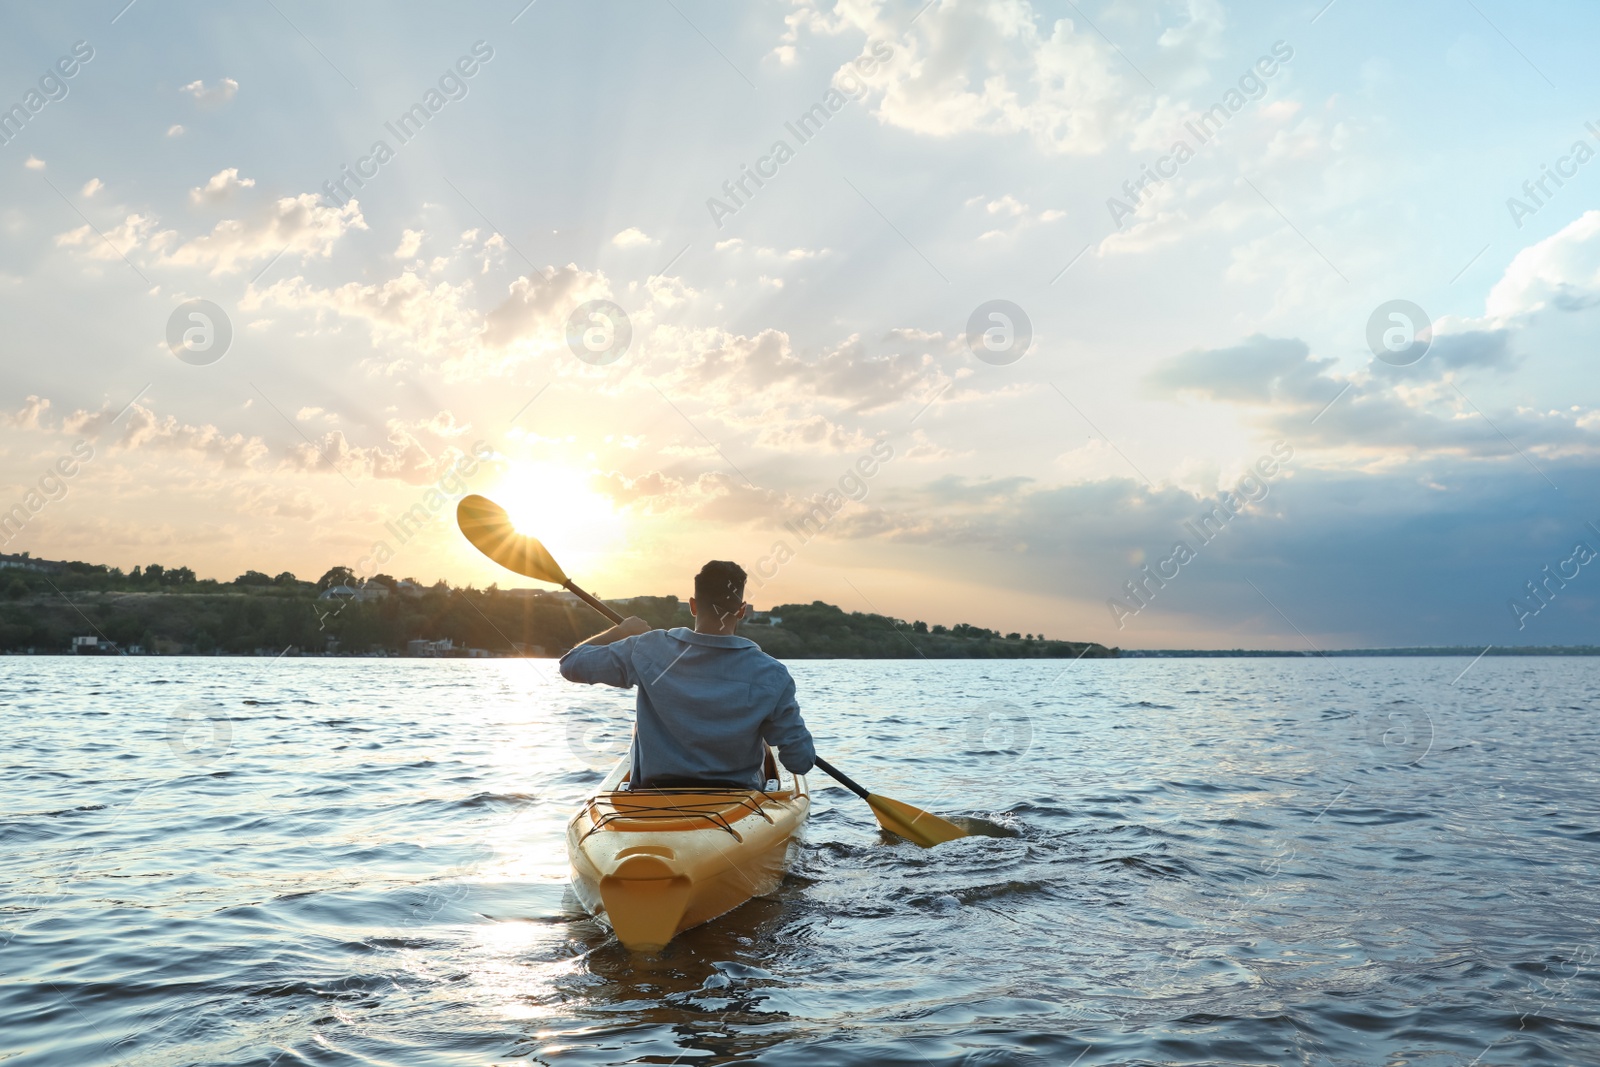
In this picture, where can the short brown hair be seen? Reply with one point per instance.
(720, 587)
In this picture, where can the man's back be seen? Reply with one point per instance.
(706, 703)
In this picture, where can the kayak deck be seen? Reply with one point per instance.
(655, 862)
(667, 810)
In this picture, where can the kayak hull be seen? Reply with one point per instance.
(653, 863)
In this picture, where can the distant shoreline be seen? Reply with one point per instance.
(1412, 653)
(1438, 651)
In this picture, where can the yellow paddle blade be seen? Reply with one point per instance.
(492, 532)
(913, 824)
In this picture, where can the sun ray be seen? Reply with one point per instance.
(560, 506)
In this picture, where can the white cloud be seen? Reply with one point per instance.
(989, 67)
(732, 242)
(140, 428)
(403, 459)
(92, 186)
(1008, 207)
(793, 254)
(410, 242)
(810, 433)
(175, 130)
(536, 308)
(633, 237)
(219, 93)
(405, 310)
(29, 417)
(34, 163)
(734, 372)
(295, 225)
(118, 241)
(221, 187)
(1562, 270)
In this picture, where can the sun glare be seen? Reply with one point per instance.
(559, 506)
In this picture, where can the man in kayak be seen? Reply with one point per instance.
(707, 698)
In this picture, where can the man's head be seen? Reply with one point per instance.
(718, 603)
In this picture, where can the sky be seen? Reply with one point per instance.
(1160, 324)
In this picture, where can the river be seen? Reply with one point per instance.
(1209, 861)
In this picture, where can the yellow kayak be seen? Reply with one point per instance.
(655, 862)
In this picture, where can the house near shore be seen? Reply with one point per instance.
(25, 562)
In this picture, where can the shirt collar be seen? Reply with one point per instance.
(693, 637)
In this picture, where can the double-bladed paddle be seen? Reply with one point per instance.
(492, 532)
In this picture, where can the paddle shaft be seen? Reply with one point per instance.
(843, 779)
(591, 601)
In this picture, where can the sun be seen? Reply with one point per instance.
(560, 506)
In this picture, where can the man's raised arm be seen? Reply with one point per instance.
(594, 662)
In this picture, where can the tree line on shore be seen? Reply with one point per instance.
(158, 609)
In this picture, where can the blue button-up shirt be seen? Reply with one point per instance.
(706, 703)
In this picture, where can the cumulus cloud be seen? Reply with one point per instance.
(92, 186)
(1562, 271)
(220, 188)
(294, 225)
(141, 428)
(29, 417)
(1261, 370)
(1392, 413)
(431, 319)
(633, 237)
(536, 307)
(212, 95)
(715, 496)
(273, 502)
(175, 130)
(34, 163)
(1008, 209)
(404, 458)
(989, 66)
(410, 243)
(810, 433)
(733, 370)
(116, 243)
